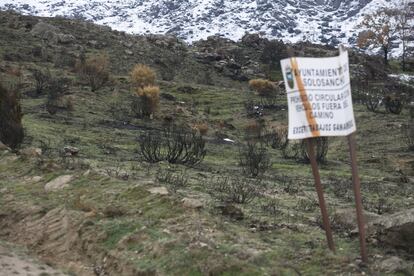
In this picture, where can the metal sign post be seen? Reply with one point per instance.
(358, 199)
(310, 144)
(320, 104)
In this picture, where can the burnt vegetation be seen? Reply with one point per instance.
(174, 144)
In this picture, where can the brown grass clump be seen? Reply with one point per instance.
(94, 70)
(202, 128)
(149, 99)
(263, 88)
(142, 76)
(253, 130)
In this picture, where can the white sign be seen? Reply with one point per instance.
(319, 96)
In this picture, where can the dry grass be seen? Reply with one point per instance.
(142, 76)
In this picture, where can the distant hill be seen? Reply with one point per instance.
(318, 21)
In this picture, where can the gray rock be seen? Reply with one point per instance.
(392, 264)
(70, 151)
(192, 203)
(346, 219)
(3, 147)
(59, 183)
(66, 38)
(30, 152)
(396, 230)
(158, 191)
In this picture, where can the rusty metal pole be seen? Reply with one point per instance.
(358, 199)
(310, 144)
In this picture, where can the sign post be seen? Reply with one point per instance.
(320, 104)
(310, 144)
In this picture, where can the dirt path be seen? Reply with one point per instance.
(15, 261)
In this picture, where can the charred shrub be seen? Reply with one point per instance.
(297, 149)
(408, 131)
(56, 89)
(175, 144)
(372, 100)
(42, 80)
(322, 146)
(235, 189)
(174, 180)
(393, 104)
(11, 129)
(273, 52)
(254, 159)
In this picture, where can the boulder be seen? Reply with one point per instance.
(346, 219)
(30, 152)
(58, 183)
(395, 230)
(158, 191)
(66, 38)
(71, 151)
(395, 265)
(3, 147)
(192, 203)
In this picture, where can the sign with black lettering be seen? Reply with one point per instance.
(319, 96)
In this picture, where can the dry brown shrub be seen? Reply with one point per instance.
(263, 88)
(149, 99)
(142, 76)
(202, 128)
(253, 130)
(94, 70)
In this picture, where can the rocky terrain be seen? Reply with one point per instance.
(78, 195)
(325, 21)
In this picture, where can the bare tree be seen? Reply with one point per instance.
(404, 17)
(381, 27)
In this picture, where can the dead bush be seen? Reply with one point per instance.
(94, 70)
(371, 96)
(393, 104)
(272, 206)
(235, 189)
(279, 138)
(322, 146)
(174, 144)
(408, 134)
(56, 88)
(263, 88)
(254, 159)
(253, 130)
(142, 76)
(147, 101)
(174, 180)
(296, 149)
(11, 129)
(42, 79)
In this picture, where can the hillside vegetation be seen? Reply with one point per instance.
(146, 156)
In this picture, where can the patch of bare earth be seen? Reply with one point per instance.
(61, 237)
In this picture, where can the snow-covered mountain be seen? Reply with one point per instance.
(321, 21)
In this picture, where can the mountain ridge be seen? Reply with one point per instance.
(329, 22)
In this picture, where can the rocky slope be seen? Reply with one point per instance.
(322, 21)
